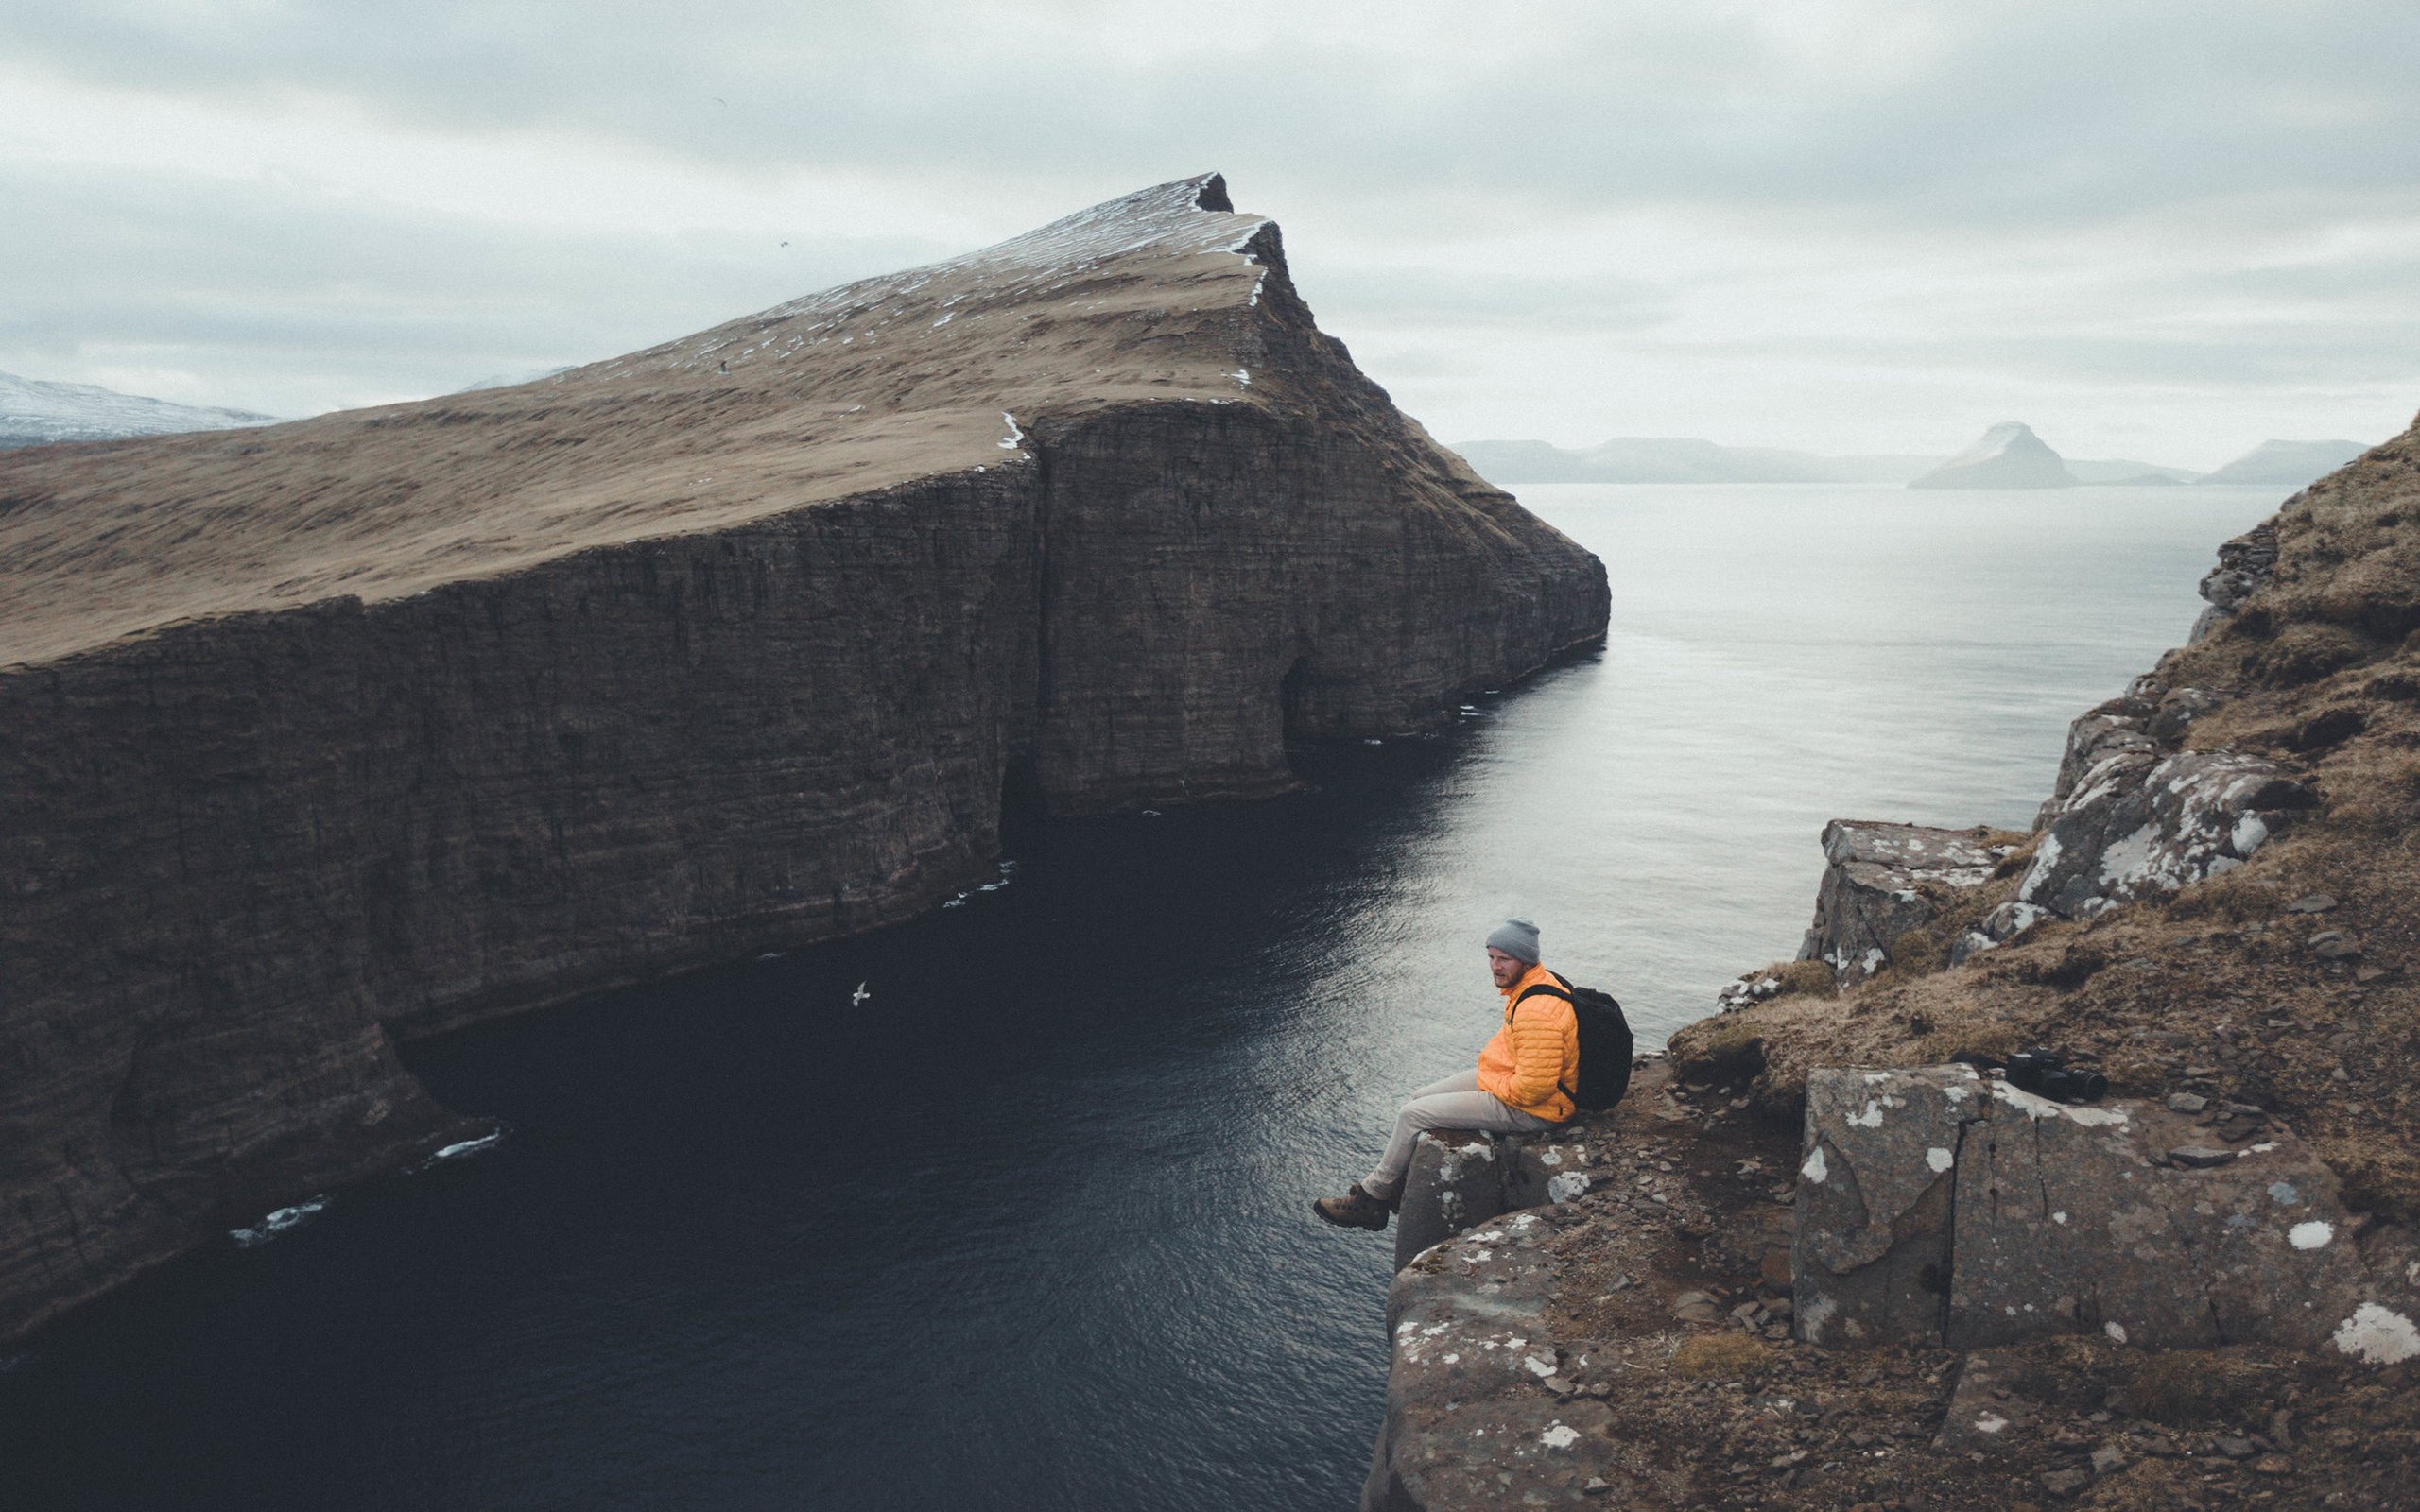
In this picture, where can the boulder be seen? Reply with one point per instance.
(1462, 1178)
(1939, 1208)
(2083, 1219)
(1881, 880)
(2110, 729)
(2137, 826)
(1869, 1263)
(2147, 720)
(2245, 565)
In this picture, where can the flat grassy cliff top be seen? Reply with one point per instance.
(1165, 294)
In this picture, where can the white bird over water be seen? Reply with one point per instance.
(858, 998)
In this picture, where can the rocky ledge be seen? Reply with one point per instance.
(369, 724)
(1817, 1266)
(1703, 1326)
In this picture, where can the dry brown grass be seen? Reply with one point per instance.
(1719, 1357)
(1813, 978)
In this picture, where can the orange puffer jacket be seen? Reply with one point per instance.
(1536, 1054)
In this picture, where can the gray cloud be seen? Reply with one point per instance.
(1466, 190)
(1974, 111)
(294, 298)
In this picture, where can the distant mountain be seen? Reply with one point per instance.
(1677, 459)
(2009, 455)
(2290, 463)
(2149, 474)
(35, 413)
(1682, 459)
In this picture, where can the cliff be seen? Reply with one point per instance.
(370, 725)
(1816, 1267)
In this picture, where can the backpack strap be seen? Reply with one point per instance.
(1539, 989)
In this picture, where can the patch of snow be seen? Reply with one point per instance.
(1814, 1169)
(1938, 1159)
(1557, 1436)
(2313, 1235)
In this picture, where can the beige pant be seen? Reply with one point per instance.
(1454, 1102)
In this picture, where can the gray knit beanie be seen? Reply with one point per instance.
(1516, 938)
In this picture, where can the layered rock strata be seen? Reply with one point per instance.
(390, 720)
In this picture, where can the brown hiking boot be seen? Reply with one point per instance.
(1357, 1209)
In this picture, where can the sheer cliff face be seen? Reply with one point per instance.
(386, 721)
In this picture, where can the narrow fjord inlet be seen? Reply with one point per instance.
(1026, 1227)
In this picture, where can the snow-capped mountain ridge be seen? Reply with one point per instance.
(34, 412)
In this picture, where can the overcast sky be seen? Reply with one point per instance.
(2160, 231)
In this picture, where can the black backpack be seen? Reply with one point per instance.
(1605, 1042)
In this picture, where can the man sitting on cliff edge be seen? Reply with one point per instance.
(1523, 1084)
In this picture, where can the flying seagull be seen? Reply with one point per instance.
(858, 998)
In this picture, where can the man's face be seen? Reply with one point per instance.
(1506, 969)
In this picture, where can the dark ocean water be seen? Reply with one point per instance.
(1028, 1226)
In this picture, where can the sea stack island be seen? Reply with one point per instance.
(331, 733)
